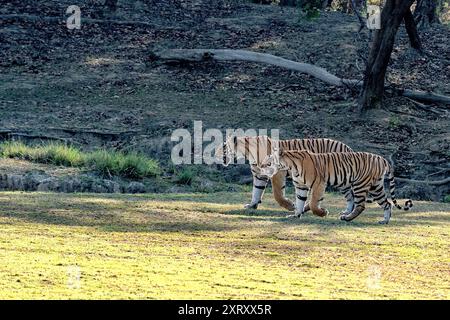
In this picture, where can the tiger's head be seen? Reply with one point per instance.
(299, 162)
(274, 162)
(241, 148)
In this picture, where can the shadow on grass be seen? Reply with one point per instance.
(119, 216)
(117, 224)
(180, 213)
(369, 218)
(256, 213)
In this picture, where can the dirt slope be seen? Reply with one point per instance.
(100, 79)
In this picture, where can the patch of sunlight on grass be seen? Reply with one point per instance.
(205, 246)
(94, 200)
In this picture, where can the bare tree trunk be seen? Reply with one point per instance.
(380, 52)
(411, 29)
(425, 13)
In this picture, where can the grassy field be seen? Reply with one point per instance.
(204, 246)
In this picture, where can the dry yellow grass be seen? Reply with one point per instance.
(204, 246)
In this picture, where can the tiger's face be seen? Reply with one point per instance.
(268, 166)
(242, 148)
(274, 162)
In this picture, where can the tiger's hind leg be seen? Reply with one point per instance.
(348, 194)
(370, 196)
(379, 195)
(360, 203)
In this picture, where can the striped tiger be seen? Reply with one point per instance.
(361, 172)
(256, 148)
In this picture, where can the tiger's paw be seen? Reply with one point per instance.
(251, 206)
(299, 214)
(295, 215)
(321, 212)
(307, 208)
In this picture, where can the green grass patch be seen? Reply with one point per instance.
(185, 177)
(59, 155)
(205, 246)
(106, 162)
(132, 165)
(51, 153)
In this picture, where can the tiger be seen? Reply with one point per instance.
(362, 173)
(256, 148)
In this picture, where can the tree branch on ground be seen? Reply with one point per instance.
(431, 183)
(201, 55)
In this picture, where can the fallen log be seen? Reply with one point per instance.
(199, 55)
(431, 183)
(424, 96)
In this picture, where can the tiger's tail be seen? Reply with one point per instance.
(408, 204)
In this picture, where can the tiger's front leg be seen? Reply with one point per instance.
(259, 185)
(348, 194)
(316, 196)
(307, 206)
(301, 194)
(278, 189)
